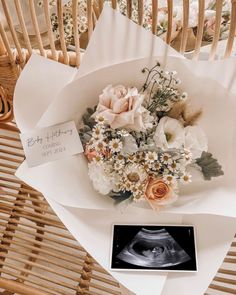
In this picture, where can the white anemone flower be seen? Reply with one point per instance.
(169, 134)
(195, 140)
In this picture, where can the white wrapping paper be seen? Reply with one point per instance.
(79, 221)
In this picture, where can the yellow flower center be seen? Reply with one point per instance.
(133, 177)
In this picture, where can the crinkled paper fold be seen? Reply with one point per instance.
(67, 181)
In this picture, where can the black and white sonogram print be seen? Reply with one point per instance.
(154, 248)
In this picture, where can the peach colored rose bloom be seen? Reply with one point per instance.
(159, 194)
(121, 107)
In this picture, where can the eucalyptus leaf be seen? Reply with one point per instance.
(209, 166)
(120, 196)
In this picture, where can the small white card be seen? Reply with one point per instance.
(51, 143)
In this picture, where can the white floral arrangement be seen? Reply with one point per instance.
(177, 22)
(142, 144)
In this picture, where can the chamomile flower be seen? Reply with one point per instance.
(156, 166)
(146, 167)
(138, 157)
(135, 173)
(115, 145)
(174, 166)
(151, 156)
(99, 145)
(169, 179)
(98, 158)
(188, 157)
(100, 120)
(131, 158)
(166, 159)
(186, 178)
(118, 167)
(120, 158)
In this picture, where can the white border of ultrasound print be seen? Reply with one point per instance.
(153, 270)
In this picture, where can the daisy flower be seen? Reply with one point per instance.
(156, 166)
(151, 156)
(188, 157)
(135, 173)
(100, 120)
(174, 166)
(118, 167)
(99, 145)
(186, 178)
(166, 159)
(169, 179)
(115, 145)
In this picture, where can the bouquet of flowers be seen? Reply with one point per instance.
(141, 145)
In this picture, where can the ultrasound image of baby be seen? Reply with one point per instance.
(154, 249)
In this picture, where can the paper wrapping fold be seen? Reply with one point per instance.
(211, 246)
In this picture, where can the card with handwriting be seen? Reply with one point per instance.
(51, 143)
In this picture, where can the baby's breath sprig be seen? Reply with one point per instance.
(162, 89)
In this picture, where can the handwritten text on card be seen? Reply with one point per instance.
(51, 143)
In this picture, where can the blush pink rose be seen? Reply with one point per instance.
(90, 154)
(159, 194)
(121, 107)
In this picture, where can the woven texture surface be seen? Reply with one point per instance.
(38, 255)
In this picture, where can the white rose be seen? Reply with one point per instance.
(169, 134)
(195, 140)
(103, 182)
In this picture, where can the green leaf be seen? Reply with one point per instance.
(209, 165)
(120, 196)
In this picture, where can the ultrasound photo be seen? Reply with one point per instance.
(167, 248)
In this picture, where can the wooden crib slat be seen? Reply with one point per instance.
(100, 5)
(232, 29)
(90, 17)
(140, 12)
(170, 21)
(114, 4)
(75, 28)
(219, 5)
(49, 27)
(184, 34)
(201, 17)
(23, 26)
(36, 27)
(154, 16)
(13, 32)
(8, 49)
(129, 8)
(61, 31)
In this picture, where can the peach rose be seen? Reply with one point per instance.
(121, 107)
(159, 194)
